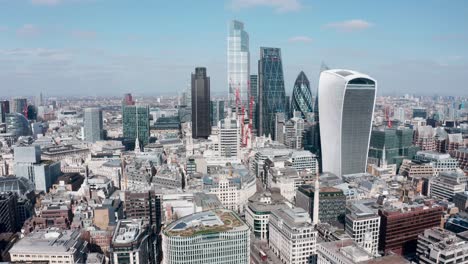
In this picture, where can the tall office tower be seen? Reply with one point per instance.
(287, 106)
(19, 105)
(419, 112)
(229, 138)
(17, 124)
(93, 127)
(216, 111)
(346, 106)
(201, 126)
(254, 96)
(8, 215)
(130, 243)
(216, 236)
(293, 133)
(4, 109)
(39, 100)
(280, 122)
(292, 236)
(238, 63)
(136, 123)
(128, 99)
(302, 96)
(270, 90)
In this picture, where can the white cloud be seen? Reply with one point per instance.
(84, 34)
(300, 39)
(46, 2)
(28, 30)
(350, 25)
(280, 6)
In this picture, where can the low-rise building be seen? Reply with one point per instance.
(437, 245)
(363, 225)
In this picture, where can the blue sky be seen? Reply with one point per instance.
(150, 47)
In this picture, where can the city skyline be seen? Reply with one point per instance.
(46, 45)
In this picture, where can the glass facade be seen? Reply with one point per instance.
(93, 127)
(19, 105)
(4, 109)
(135, 120)
(201, 125)
(217, 111)
(238, 63)
(17, 124)
(302, 96)
(272, 96)
(254, 94)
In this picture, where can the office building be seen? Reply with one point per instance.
(201, 125)
(293, 238)
(293, 133)
(258, 211)
(4, 109)
(130, 243)
(128, 99)
(400, 114)
(447, 184)
(439, 246)
(280, 122)
(216, 111)
(136, 123)
(302, 96)
(304, 160)
(23, 189)
(441, 162)
(144, 205)
(424, 138)
(93, 126)
(397, 143)
(214, 236)
(461, 154)
(346, 106)
(228, 140)
(50, 246)
(420, 112)
(238, 57)
(401, 225)
(271, 92)
(461, 200)
(287, 106)
(17, 125)
(331, 205)
(8, 216)
(19, 105)
(254, 96)
(363, 225)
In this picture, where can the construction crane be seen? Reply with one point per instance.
(387, 114)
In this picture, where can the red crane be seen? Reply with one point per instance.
(389, 123)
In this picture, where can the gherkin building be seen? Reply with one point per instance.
(301, 96)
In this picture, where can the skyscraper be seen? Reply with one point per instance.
(346, 105)
(254, 95)
(135, 121)
(128, 99)
(17, 124)
(19, 105)
(302, 96)
(270, 89)
(238, 62)
(217, 111)
(201, 126)
(4, 109)
(93, 128)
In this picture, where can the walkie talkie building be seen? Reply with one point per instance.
(346, 105)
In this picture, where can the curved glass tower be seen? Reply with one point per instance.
(346, 105)
(301, 95)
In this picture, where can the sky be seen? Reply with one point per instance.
(150, 47)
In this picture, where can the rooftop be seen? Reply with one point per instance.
(294, 217)
(128, 231)
(51, 241)
(207, 222)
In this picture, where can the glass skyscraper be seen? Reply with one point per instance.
(238, 63)
(19, 105)
(93, 127)
(136, 122)
(17, 124)
(217, 111)
(254, 94)
(4, 109)
(346, 106)
(201, 125)
(272, 98)
(302, 96)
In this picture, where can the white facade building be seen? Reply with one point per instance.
(292, 236)
(440, 161)
(439, 246)
(130, 243)
(217, 236)
(363, 226)
(304, 160)
(447, 184)
(346, 105)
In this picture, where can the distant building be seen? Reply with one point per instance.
(254, 96)
(461, 155)
(304, 160)
(130, 243)
(50, 246)
(201, 125)
(19, 105)
(447, 184)
(136, 123)
(292, 236)
(419, 112)
(216, 111)
(424, 138)
(346, 104)
(461, 200)
(128, 99)
(440, 162)
(293, 133)
(400, 226)
(4, 109)
(93, 126)
(302, 96)
(271, 91)
(437, 245)
(215, 236)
